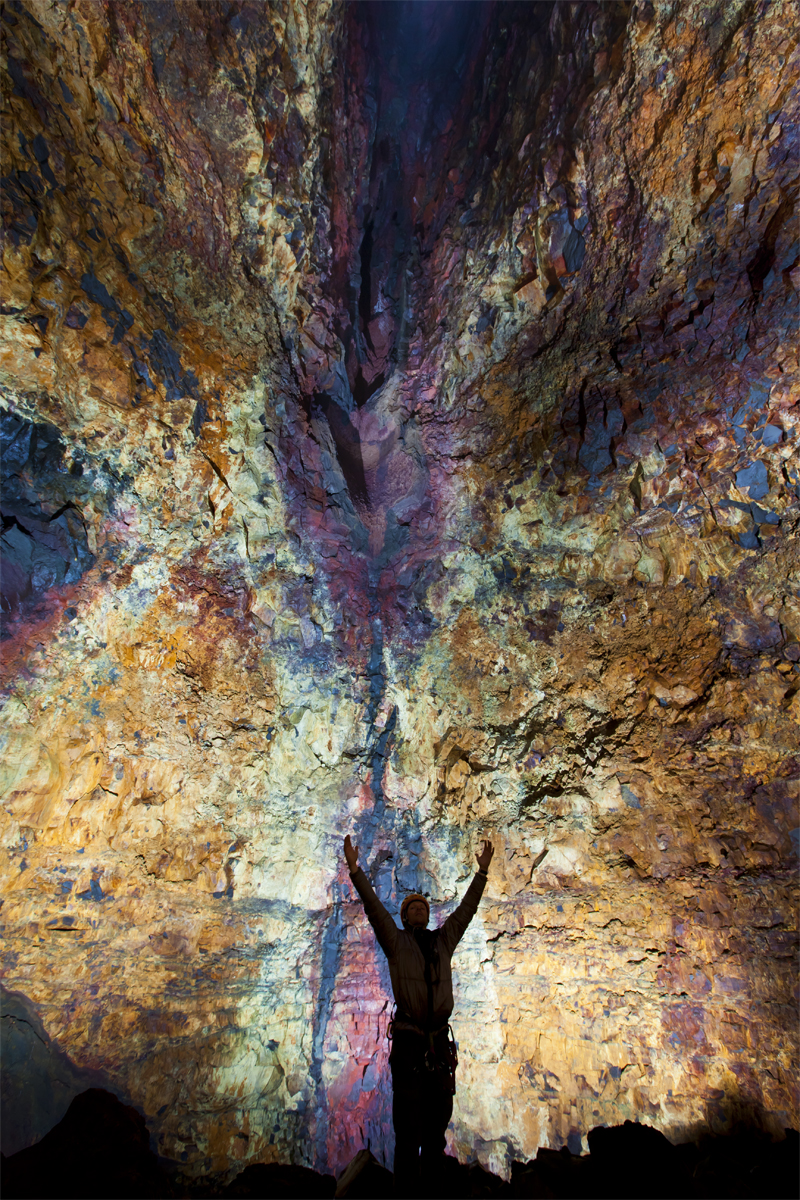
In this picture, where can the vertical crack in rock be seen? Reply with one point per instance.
(365, 832)
(378, 745)
(347, 441)
(333, 933)
(379, 736)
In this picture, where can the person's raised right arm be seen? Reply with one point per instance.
(385, 929)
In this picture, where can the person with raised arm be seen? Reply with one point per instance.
(423, 1056)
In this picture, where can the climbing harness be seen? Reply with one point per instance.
(440, 1061)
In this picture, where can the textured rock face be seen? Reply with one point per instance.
(400, 438)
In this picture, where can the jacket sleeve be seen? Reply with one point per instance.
(454, 927)
(385, 929)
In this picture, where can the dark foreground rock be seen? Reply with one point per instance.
(629, 1160)
(265, 1180)
(38, 1080)
(634, 1160)
(364, 1177)
(101, 1149)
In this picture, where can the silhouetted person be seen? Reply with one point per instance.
(423, 1055)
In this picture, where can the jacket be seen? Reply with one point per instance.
(406, 959)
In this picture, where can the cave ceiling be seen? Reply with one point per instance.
(399, 430)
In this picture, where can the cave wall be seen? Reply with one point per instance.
(400, 438)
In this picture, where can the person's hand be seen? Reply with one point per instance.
(485, 856)
(351, 854)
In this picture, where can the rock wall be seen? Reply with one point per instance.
(400, 438)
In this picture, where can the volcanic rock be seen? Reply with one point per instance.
(100, 1148)
(400, 439)
(261, 1181)
(365, 1176)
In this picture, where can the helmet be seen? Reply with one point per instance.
(410, 900)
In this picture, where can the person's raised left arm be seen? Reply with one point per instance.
(454, 927)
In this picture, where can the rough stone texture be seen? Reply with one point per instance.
(400, 438)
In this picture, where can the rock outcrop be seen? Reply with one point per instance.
(400, 438)
(100, 1149)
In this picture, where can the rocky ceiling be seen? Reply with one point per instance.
(400, 422)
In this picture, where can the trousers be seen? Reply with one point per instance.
(422, 1105)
